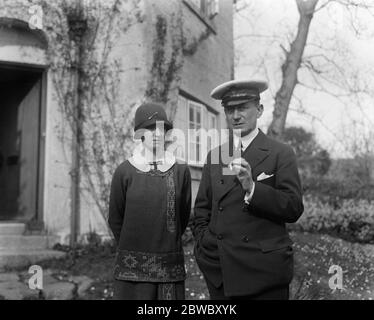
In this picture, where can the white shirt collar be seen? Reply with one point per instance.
(139, 160)
(246, 140)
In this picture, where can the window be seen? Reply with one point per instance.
(193, 145)
(195, 112)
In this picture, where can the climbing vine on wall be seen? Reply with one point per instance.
(86, 78)
(170, 48)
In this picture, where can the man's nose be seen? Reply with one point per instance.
(236, 114)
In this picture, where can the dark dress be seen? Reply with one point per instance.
(148, 213)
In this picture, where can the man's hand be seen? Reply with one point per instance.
(243, 171)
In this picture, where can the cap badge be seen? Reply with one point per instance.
(151, 116)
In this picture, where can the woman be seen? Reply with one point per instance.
(150, 203)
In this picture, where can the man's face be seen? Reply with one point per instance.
(244, 116)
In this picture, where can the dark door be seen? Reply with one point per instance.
(20, 107)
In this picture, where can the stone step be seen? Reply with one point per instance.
(26, 258)
(29, 242)
(15, 228)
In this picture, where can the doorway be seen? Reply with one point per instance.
(21, 97)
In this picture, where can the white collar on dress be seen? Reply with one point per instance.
(247, 139)
(139, 160)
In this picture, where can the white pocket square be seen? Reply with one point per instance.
(263, 176)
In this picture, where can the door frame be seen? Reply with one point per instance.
(36, 223)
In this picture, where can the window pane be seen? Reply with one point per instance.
(198, 117)
(191, 114)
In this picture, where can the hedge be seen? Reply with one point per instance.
(352, 220)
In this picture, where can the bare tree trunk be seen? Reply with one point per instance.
(290, 67)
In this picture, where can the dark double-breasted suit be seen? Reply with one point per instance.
(247, 247)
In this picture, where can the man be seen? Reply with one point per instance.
(242, 244)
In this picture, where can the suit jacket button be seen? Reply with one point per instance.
(221, 181)
(245, 239)
(220, 209)
(219, 237)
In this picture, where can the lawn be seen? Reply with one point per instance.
(314, 254)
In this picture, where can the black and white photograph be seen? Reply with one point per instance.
(187, 150)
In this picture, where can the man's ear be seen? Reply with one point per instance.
(260, 109)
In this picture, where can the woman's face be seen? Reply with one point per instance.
(154, 138)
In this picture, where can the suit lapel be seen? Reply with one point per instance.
(256, 153)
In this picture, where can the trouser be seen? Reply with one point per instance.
(132, 290)
(280, 293)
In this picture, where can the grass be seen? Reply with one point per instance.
(314, 255)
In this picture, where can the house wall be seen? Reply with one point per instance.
(21, 46)
(210, 65)
(130, 51)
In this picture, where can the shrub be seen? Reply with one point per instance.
(333, 189)
(352, 220)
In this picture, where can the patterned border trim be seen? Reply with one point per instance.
(151, 267)
(170, 209)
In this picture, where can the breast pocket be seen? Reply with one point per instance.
(270, 181)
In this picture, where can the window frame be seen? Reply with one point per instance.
(185, 101)
(196, 106)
